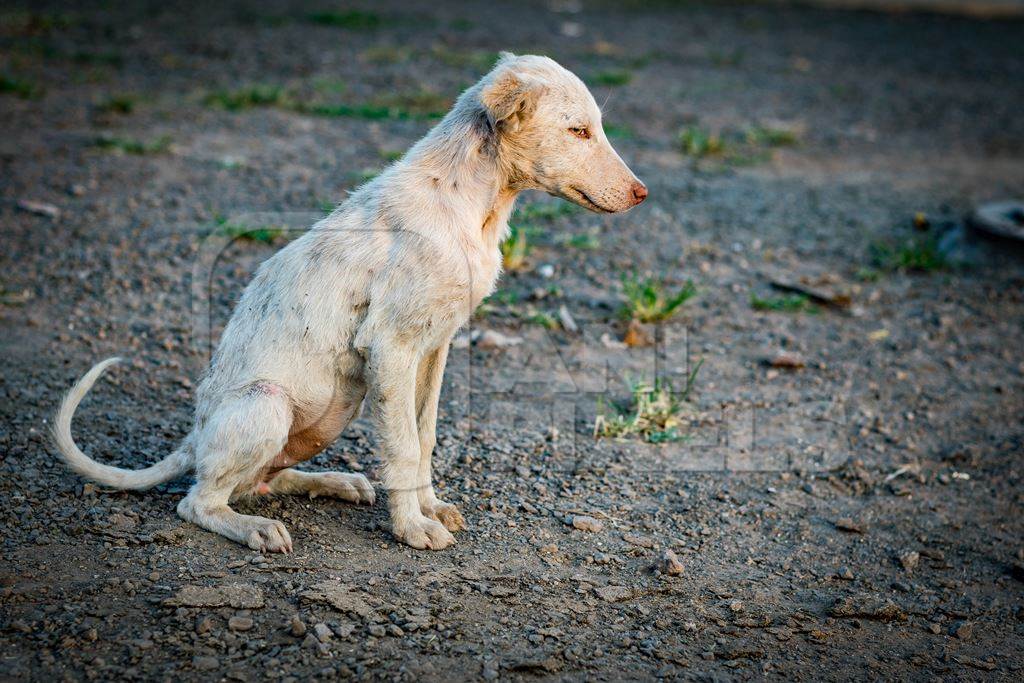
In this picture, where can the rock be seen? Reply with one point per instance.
(865, 607)
(376, 630)
(237, 595)
(501, 591)
(567, 321)
(670, 564)
(238, 623)
(909, 560)
(845, 574)
(492, 339)
(736, 606)
(787, 359)
(396, 630)
(847, 524)
(613, 593)
(962, 630)
(642, 541)
(297, 628)
(205, 663)
(638, 335)
(340, 596)
(584, 523)
(322, 632)
(39, 208)
(204, 624)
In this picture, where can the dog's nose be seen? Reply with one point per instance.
(639, 192)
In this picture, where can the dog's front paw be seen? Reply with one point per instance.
(355, 488)
(424, 533)
(447, 514)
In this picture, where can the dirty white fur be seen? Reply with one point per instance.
(364, 305)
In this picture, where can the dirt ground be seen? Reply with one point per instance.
(859, 517)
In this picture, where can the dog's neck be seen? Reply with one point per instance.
(463, 162)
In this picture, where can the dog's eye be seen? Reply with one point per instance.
(582, 132)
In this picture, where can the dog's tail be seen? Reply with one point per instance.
(176, 463)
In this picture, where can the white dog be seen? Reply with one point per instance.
(363, 306)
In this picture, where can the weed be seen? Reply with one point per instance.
(612, 78)
(542, 318)
(790, 303)
(618, 131)
(544, 211)
(655, 414)
(132, 145)
(25, 89)
(649, 301)
(118, 104)
(391, 154)
(699, 143)
(920, 253)
(248, 97)
(356, 20)
(771, 137)
(266, 234)
(587, 240)
(515, 248)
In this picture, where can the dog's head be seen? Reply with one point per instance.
(550, 136)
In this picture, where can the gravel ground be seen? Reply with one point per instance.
(859, 517)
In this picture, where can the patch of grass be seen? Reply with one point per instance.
(421, 104)
(649, 300)
(586, 241)
(698, 142)
(611, 77)
(790, 303)
(122, 103)
(542, 318)
(265, 234)
(326, 84)
(544, 211)
(387, 54)
(123, 145)
(919, 253)
(391, 154)
(23, 88)
(771, 137)
(480, 60)
(515, 249)
(505, 297)
(354, 19)
(655, 413)
(260, 95)
(618, 131)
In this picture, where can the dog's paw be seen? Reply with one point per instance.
(448, 515)
(424, 533)
(268, 535)
(354, 488)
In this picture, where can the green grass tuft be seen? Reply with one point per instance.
(260, 95)
(918, 253)
(790, 303)
(655, 413)
(611, 78)
(515, 249)
(124, 145)
(649, 300)
(265, 234)
(25, 89)
(356, 20)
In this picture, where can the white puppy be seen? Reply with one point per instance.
(363, 307)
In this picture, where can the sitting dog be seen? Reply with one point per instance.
(361, 310)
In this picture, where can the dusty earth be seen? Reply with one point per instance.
(859, 517)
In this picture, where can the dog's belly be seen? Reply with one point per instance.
(316, 432)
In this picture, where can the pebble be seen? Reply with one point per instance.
(847, 524)
(205, 663)
(909, 560)
(204, 624)
(376, 630)
(296, 626)
(962, 630)
(670, 564)
(323, 632)
(584, 523)
(239, 623)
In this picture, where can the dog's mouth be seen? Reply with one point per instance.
(583, 198)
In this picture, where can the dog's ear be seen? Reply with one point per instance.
(509, 99)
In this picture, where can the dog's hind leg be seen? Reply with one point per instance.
(351, 487)
(233, 448)
(428, 393)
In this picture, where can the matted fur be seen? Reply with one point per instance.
(362, 308)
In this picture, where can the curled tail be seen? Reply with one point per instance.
(176, 463)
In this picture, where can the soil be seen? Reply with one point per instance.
(853, 513)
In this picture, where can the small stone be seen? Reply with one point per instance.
(154, 576)
(670, 564)
(585, 523)
(322, 632)
(847, 524)
(296, 626)
(787, 359)
(962, 630)
(909, 560)
(736, 606)
(613, 593)
(376, 630)
(491, 339)
(396, 630)
(204, 624)
(240, 623)
(205, 663)
(934, 628)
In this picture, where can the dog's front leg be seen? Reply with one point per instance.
(428, 393)
(391, 378)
